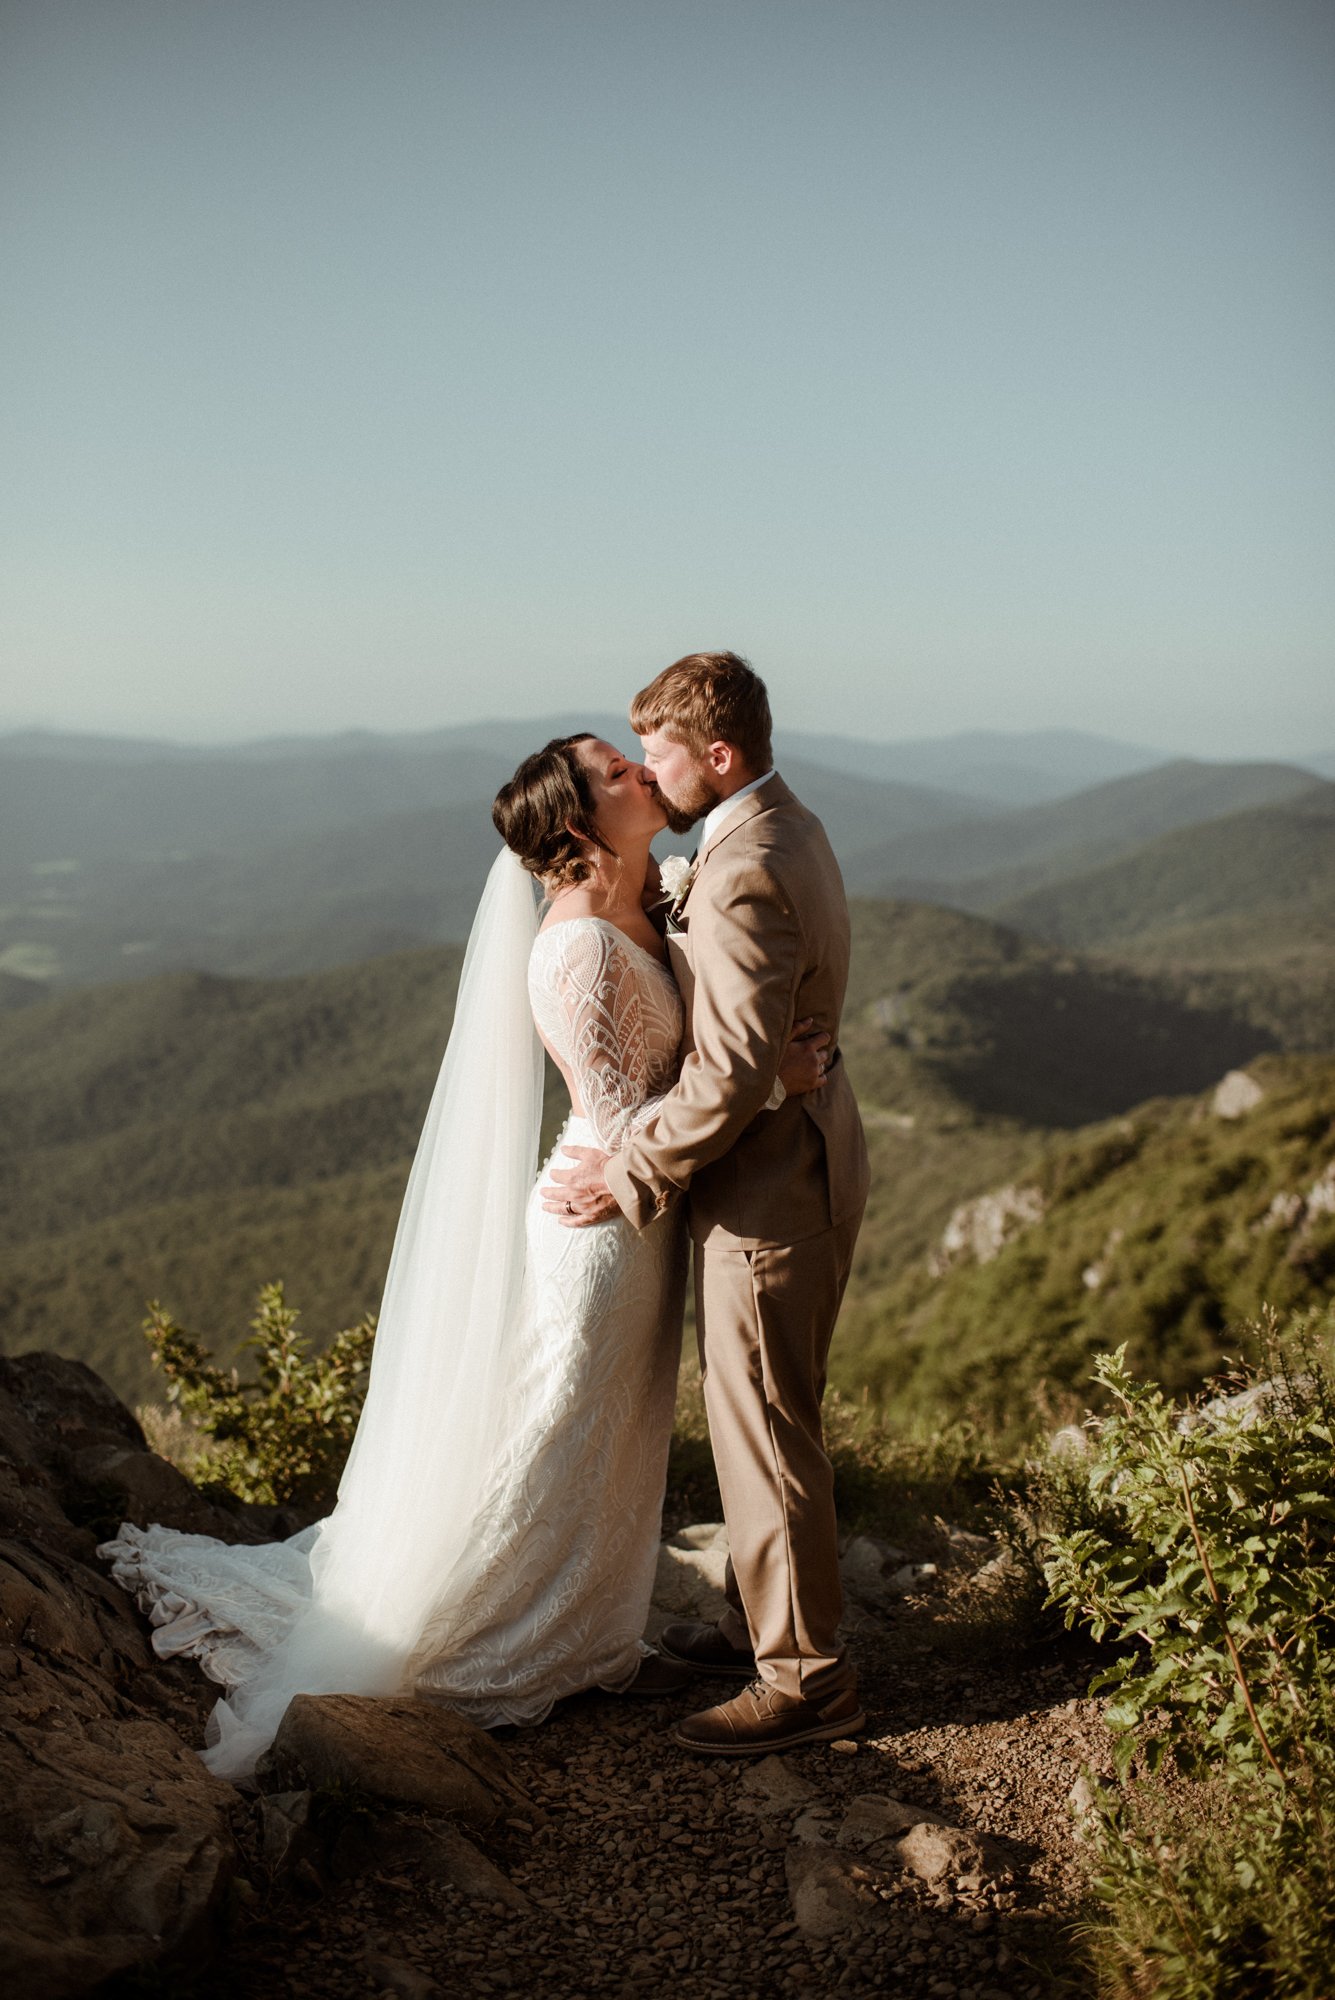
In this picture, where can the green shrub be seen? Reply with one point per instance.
(1211, 1564)
(281, 1437)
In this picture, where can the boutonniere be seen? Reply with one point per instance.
(676, 874)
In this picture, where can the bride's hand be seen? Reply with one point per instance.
(805, 1058)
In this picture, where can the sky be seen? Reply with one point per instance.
(964, 363)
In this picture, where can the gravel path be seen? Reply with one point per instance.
(646, 1871)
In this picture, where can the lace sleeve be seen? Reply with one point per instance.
(600, 990)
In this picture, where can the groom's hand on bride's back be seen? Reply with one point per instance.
(579, 1196)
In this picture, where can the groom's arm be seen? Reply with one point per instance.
(746, 952)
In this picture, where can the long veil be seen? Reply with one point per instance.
(390, 1556)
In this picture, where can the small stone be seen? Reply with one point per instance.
(940, 1854)
(873, 1818)
(772, 1786)
(844, 1746)
(833, 1893)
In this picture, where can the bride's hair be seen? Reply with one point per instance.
(545, 814)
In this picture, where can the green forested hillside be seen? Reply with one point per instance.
(191, 1137)
(1166, 1229)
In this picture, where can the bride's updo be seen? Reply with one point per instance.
(545, 814)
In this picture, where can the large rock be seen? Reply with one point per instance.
(689, 1581)
(874, 1822)
(403, 1752)
(773, 1786)
(955, 1855)
(876, 1575)
(1236, 1094)
(115, 1844)
(115, 1850)
(61, 1421)
(979, 1230)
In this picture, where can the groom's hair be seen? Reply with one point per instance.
(708, 698)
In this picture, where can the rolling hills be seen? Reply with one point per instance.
(192, 1136)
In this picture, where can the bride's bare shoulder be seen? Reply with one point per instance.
(575, 902)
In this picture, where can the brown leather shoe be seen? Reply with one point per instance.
(694, 1644)
(760, 1719)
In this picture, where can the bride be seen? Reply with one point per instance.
(494, 1542)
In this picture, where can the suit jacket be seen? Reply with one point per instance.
(764, 941)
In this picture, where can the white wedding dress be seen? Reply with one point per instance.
(496, 1533)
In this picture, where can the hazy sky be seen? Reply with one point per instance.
(964, 362)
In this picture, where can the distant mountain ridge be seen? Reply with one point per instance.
(1057, 759)
(991, 860)
(287, 856)
(1239, 910)
(1273, 865)
(1023, 767)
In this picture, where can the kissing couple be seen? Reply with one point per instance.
(495, 1538)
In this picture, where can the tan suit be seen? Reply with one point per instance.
(775, 1198)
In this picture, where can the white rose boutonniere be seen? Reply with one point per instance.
(674, 873)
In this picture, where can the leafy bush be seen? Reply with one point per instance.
(1212, 1561)
(283, 1436)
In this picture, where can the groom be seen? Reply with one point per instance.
(776, 1188)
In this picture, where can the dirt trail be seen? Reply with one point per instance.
(649, 1871)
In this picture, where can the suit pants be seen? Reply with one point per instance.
(764, 1319)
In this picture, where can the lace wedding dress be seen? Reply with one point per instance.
(496, 1532)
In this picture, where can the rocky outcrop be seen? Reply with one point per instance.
(692, 1564)
(116, 1845)
(1236, 1094)
(979, 1230)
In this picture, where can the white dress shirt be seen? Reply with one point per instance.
(725, 808)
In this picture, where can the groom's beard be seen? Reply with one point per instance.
(688, 805)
